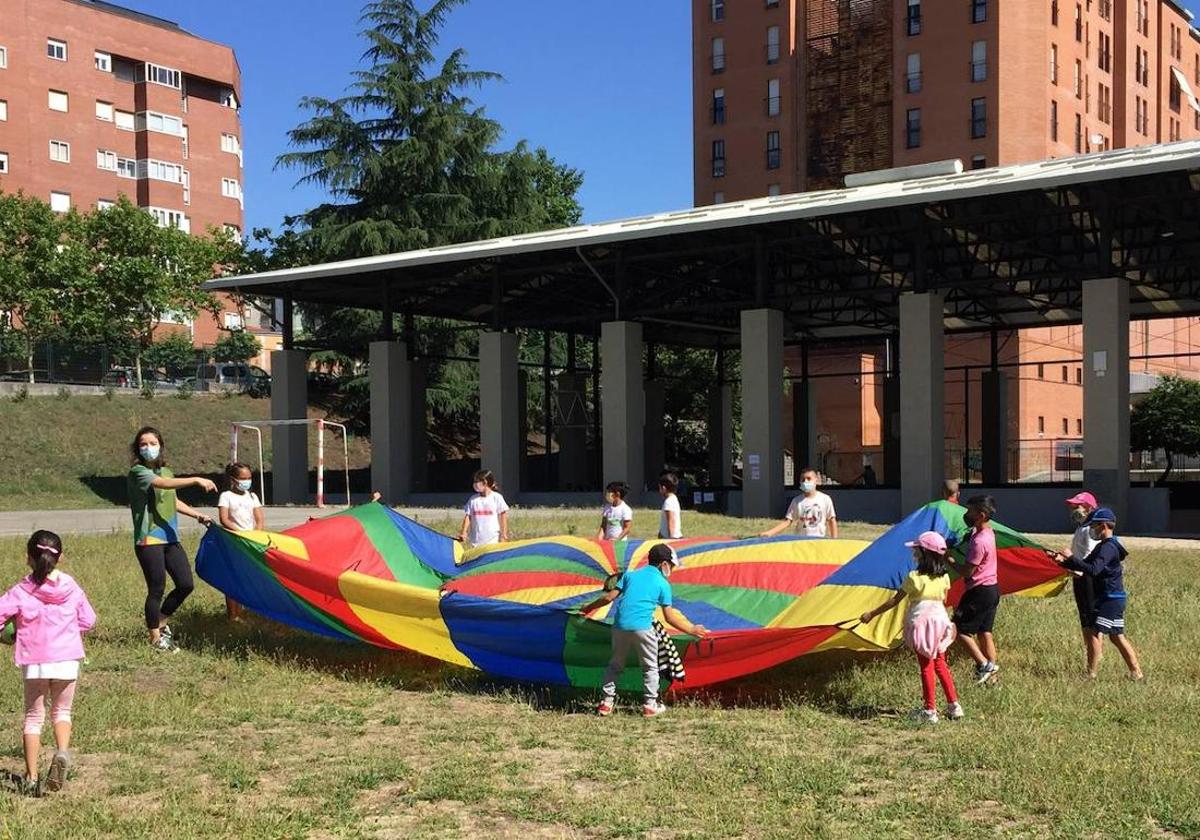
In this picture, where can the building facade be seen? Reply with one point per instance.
(793, 95)
(98, 101)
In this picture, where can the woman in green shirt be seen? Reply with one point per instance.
(156, 510)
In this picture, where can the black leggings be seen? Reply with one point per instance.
(158, 561)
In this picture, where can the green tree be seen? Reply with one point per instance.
(1168, 418)
(140, 272)
(38, 271)
(173, 353)
(236, 346)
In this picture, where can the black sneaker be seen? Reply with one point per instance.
(31, 787)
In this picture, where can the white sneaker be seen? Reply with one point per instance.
(986, 671)
(924, 716)
(653, 709)
(165, 645)
(954, 711)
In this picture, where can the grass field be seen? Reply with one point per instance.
(74, 453)
(254, 730)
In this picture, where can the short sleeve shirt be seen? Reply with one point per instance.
(811, 513)
(641, 592)
(155, 520)
(484, 513)
(919, 587)
(241, 508)
(1082, 543)
(671, 503)
(981, 553)
(615, 517)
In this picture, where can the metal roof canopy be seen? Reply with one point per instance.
(1009, 246)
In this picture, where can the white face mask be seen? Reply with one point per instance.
(149, 452)
(244, 484)
(808, 486)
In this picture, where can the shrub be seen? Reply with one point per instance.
(64, 393)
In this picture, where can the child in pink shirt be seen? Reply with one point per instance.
(976, 612)
(51, 613)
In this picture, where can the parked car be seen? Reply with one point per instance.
(231, 376)
(126, 377)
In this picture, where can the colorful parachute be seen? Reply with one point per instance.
(371, 575)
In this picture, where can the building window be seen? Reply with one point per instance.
(717, 10)
(718, 55)
(774, 189)
(1104, 54)
(56, 49)
(60, 202)
(60, 151)
(1143, 22)
(914, 17)
(229, 99)
(104, 111)
(774, 153)
(1053, 64)
(124, 120)
(1106, 10)
(1104, 98)
(1079, 23)
(1078, 79)
(718, 158)
(718, 197)
(978, 11)
(56, 100)
(163, 123)
(1065, 374)
(4, 163)
(159, 75)
(772, 44)
(3, 58)
(1054, 12)
(912, 129)
(105, 204)
(979, 61)
(161, 170)
(718, 106)
(170, 218)
(979, 162)
(978, 118)
(912, 74)
(773, 100)
(3, 110)
(230, 188)
(1053, 120)
(103, 61)
(1175, 95)
(1079, 426)
(1041, 371)
(126, 168)
(106, 160)
(1041, 425)
(1064, 426)
(232, 230)
(1078, 134)
(1079, 378)
(1139, 65)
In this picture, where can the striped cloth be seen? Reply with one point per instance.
(670, 665)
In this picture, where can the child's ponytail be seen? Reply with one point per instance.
(44, 548)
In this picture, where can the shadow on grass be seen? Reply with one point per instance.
(822, 680)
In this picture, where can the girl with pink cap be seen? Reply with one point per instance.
(927, 628)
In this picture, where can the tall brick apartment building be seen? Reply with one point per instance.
(98, 101)
(792, 95)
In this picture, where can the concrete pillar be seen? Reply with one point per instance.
(500, 410)
(994, 408)
(720, 435)
(622, 404)
(570, 429)
(922, 399)
(289, 444)
(1106, 392)
(655, 436)
(392, 418)
(762, 413)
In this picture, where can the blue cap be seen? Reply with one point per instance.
(1103, 515)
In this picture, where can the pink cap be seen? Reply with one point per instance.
(931, 540)
(1083, 498)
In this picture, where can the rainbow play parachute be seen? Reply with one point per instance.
(371, 575)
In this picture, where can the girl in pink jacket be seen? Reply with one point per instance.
(51, 612)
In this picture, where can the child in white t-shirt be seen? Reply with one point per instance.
(239, 510)
(670, 525)
(811, 512)
(617, 517)
(485, 515)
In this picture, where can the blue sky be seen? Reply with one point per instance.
(605, 87)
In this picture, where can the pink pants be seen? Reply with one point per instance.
(62, 695)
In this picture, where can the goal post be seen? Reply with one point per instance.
(258, 425)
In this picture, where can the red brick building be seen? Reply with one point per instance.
(793, 95)
(98, 101)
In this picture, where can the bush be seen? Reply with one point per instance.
(148, 390)
(110, 392)
(21, 394)
(185, 391)
(64, 393)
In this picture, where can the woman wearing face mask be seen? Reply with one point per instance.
(156, 510)
(485, 515)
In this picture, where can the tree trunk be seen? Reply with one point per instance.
(1170, 463)
(29, 358)
(138, 364)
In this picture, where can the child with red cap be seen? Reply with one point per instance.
(927, 628)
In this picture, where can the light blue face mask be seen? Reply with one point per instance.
(808, 486)
(245, 484)
(148, 453)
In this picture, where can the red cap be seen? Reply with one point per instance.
(1083, 498)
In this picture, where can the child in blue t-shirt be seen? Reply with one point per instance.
(637, 594)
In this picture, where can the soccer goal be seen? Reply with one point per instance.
(257, 426)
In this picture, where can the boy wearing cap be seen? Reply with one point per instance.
(637, 594)
(1081, 506)
(1104, 566)
(976, 611)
